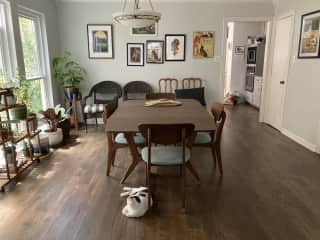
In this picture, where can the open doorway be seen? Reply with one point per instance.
(246, 46)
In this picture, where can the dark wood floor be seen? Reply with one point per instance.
(270, 190)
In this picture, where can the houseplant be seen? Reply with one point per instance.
(69, 74)
(58, 124)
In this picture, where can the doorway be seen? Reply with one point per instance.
(245, 58)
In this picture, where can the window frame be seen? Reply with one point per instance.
(42, 52)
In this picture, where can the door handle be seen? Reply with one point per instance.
(282, 82)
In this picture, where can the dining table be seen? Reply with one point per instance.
(130, 114)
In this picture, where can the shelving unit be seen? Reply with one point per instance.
(18, 162)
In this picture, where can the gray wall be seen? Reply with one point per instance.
(301, 110)
(177, 18)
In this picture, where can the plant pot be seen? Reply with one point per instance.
(44, 142)
(18, 113)
(70, 92)
(55, 138)
(65, 126)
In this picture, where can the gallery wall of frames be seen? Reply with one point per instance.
(171, 49)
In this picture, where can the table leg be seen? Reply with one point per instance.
(135, 155)
(111, 155)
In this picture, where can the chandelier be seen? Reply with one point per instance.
(137, 18)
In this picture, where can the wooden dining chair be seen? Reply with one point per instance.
(119, 140)
(167, 145)
(168, 85)
(213, 141)
(156, 96)
(191, 82)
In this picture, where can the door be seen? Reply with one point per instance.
(279, 73)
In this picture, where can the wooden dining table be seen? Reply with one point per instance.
(130, 114)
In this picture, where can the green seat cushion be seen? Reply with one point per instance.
(165, 155)
(202, 138)
(121, 139)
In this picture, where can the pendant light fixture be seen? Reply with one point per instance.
(137, 18)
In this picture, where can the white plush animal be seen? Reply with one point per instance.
(137, 201)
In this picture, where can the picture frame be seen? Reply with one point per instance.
(239, 50)
(155, 52)
(175, 47)
(150, 31)
(100, 41)
(309, 39)
(135, 54)
(203, 44)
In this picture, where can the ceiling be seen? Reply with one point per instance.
(219, 1)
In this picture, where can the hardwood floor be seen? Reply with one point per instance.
(270, 190)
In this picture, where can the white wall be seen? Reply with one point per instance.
(301, 110)
(240, 38)
(176, 18)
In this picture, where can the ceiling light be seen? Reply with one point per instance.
(137, 18)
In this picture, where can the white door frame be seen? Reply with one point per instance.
(269, 21)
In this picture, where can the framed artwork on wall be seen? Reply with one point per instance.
(154, 51)
(239, 50)
(149, 31)
(135, 54)
(175, 47)
(309, 43)
(203, 44)
(100, 41)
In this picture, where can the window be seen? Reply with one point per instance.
(7, 48)
(35, 56)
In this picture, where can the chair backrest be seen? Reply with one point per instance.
(156, 96)
(105, 91)
(109, 109)
(168, 85)
(136, 90)
(217, 110)
(191, 83)
(167, 134)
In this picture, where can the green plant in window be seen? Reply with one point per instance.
(68, 72)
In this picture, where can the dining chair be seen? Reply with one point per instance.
(168, 145)
(136, 90)
(168, 85)
(213, 141)
(191, 82)
(101, 94)
(119, 140)
(156, 96)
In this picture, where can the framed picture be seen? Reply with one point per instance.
(239, 50)
(154, 51)
(175, 47)
(310, 36)
(203, 44)
(135, 54)
(145, 31)
(100, 41)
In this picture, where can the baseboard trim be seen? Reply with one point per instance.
(300, 140)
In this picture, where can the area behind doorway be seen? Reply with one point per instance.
(246, 45)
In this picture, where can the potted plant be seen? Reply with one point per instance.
(58, 124)
(69, 74)
(64, 122)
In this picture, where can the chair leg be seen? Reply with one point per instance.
(148, 170)
(96, 120)
(114, 152)
(85, 122)
(192, 170)
(218, 155)
(183, 186)
(214, 158)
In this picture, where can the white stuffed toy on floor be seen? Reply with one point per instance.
(137, 201)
